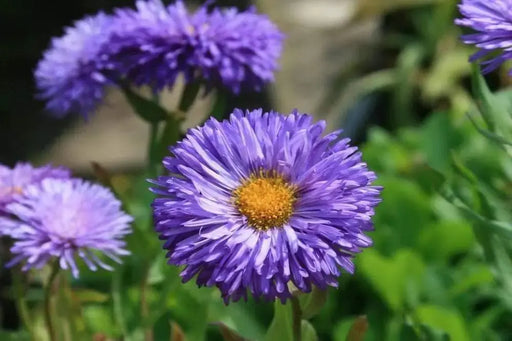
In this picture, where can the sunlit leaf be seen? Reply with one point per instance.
(445, 319)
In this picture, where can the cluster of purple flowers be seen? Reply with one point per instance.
(48, 214)
(250, 204)
(151, 45)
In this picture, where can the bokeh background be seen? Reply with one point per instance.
(393, 74)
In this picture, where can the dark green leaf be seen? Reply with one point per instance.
(147, 109)
(219, 106)
(188, 96)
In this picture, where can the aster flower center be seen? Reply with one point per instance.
(266, 200)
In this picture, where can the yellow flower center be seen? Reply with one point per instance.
(266, 200)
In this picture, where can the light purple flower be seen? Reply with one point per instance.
(263, 199)
(70, 76)
(65, 219)
(493, 22)
(13, 181)
(153, 44)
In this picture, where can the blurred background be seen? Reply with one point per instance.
(394, 75)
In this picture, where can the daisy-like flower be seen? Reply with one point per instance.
(262, 199)
(13, 181)
(65, 219)
(70, 76)
(153, 44)
(492, 21)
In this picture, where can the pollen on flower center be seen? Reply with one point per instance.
(266, 201)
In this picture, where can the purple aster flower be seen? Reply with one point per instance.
(69, 76)
(261, 200)
(153, 44)
(493, 22)
(13, 181)
(66, 218)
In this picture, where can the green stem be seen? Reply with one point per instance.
(47, 301)
(297, 319)
(118, 303)
(144, 308)
(21, 303)
(153, 158)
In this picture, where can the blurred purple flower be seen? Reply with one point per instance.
(153, 44)
(493, 22)
(65, 218)
(262, 199)
(69, 76)
(13, 181)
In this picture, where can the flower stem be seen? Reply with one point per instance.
(21, 303)
(144, 308)
(47, 301)
(153, 149)
(297, 319)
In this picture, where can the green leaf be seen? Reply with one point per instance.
(358, 329)
(449, 237)
(281, 327)
(308, 332)
(444, 319)
(312, 303)
(494, 109)
(501, 228)
(421, 333)
(99, 319)
(470, 276)
(238, 317)
(438, 140)
(188, 96)
(490, 135)
(395, 278)
(227, 333)
(145, 108)
(397, 229)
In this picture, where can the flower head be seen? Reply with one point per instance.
(66, 218)
(13, 181)
(70, 77)
(262, 199)
(493, 22)
(153, 44)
